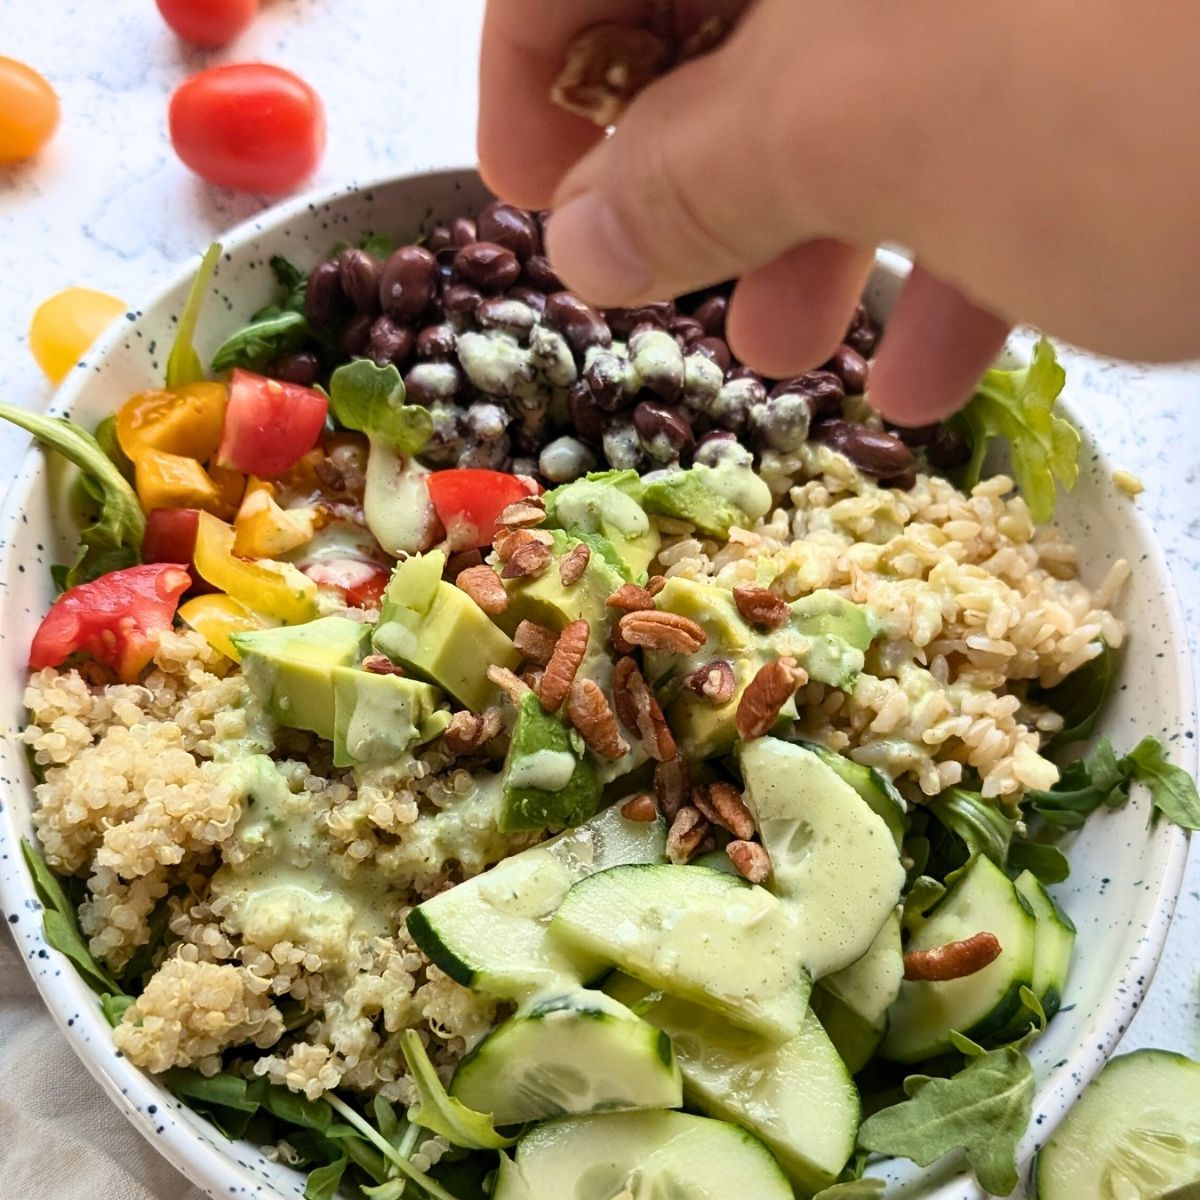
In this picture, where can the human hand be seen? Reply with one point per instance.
(1033, 156)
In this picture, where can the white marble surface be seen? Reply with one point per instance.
(109, 206)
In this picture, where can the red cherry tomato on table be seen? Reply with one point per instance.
(28, 110)
(469, 503)
(269, 425)
(117, 619)
(208, 23)
(249, 126)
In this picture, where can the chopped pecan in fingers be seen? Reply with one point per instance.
(751, 860)
(955, 960)
(564, 663)
(607, 65)
(589, 712)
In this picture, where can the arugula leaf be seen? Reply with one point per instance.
(114, 540)
(322, 1184)
(370, 399)
(922, 896)
(290, 1106)
(1079, 698)
(293, 281)
(983, 1110)
(437, 1110)
(854, 1189)
(379, 245)
(266, 337)
(60, 924)
(1018, 406)
(113, 1007)
(142, 959)
(1172, 789)
(976, 821)
(1048, 863)
(183, 365)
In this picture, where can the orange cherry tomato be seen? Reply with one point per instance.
(208, 23)
(28, 111)
(64, 326)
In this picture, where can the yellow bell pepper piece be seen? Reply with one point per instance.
(172, 481)
(187, 421)
(274, 589)
(262, 529)
(215, 617)
(231, 486)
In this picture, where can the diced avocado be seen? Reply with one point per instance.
(547, 784)
(290, 669)
(828, 635)
(437, 631)
(687, 496)
(378, 717)
(607, 503)
(544, 599)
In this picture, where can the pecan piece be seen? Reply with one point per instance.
(766, 694)
(751, 860)
(671, 785)
(722, 804)
(534, 642)
(662, 631)
(524, 513)
(515, 688)
(760, 606)
(639, 711)
(483, 585)
(715, 681)
(560, 672)
(955, 960)
(574, 563)
(607, 65)
(688, 830)
(589, 712)
(629, 597)
(655, 584)
(639, 808)
(509, 541)
(458, 562)
(380, 664)
(468, 731)
(528, 559)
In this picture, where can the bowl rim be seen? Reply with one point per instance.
(156, 1113)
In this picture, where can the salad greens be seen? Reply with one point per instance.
(370, 399)
(1018, 406)
(114, 540)
(274, 330)
(1080, 697)
(183, 365)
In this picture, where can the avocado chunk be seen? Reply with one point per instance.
(438, 632)
(547, 783)
(290, 669)
(714, 499)
(377, 718)
(608, 503)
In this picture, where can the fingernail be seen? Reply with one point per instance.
(594, 252)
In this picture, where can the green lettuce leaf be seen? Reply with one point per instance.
(1018, 406)
(183, 365)
(977, 821)
(114, 539)
(370, 399)
(322, 1183)
(1079, 698)
(264, 338)
(854, 1189)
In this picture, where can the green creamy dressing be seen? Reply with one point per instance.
(738, 483)
(549, 770)
(396, 502)
(590, 506)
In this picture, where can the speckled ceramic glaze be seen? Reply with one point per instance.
(1125, 873)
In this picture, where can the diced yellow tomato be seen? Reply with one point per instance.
(187, 421)
(64, 326)
(231, 486)
(262, 529)
(274, 589)
(215, 617)
(172, 481)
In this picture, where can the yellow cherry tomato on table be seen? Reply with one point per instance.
(64, 326)
(28, 111)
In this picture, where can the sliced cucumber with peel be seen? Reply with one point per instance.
(871, 784)
(1133, 1135)
(1053, 945)
(698, 934)
(640, 1156)
(579, 1052)
(796, 1096)
(489, 933)
(982, 1005)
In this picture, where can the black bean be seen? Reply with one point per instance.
(436, 343)
(711, 314)
(489, 267)
(462, 231)
(687, 330)
(658, 361)
(300, 367)
(709, 447)
(872, 450)
(823, 390)
(542, 216)
(587, 417)
(579, 323)
(714, 348)
(503, 312)
(356, 336)
(408, 283)
(863, 334)
(782, 421)
(511, 227)
(564, 459)
(531, 296)
(541, 275)
(359, 273)
(949, 449)
(623, 321)
(851, 368)
(445, 260)
(665, 433)
(905, 481)
(325, 303)
(430, 381)
(622, 446)
(609, 379)
(738, 371)
(914, 435)
(389, 342)
(440, 238)
(460, 299)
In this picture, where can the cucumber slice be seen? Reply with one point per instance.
(982, 1005)
(833, 858)
(1053, 943)
(698, 934)
(796, 1096)
(580, 1052)
(871, 784)
(1133, 1135)
(853, 1003)
(490, 933)
(640, 1156)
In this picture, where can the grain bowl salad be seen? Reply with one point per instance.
(491, 746)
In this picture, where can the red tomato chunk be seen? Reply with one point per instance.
(269, 425)
(470, 501)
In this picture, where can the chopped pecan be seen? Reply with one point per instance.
(708, 35)
(509, 683)
(380, 664)
(458, 562)
(671, 785)
(750, 859)
(955, 960)
(714, 681)
(468, 731)
(760, 606)
(508, 541)
(688, 830)
(639, 808)
(655, 584)
(573, 564)
(765, 695)
(569, 651)
(619, 644)
(722, 804)
(629, 597)
(483, 585)
(607, 65)
(524, 513)
(662, 631)
(329, 474)
(589, 712)
(532, 677)
(639, 711)
(534, 642)
(528, 559)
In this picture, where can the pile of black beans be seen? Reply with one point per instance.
(522, 375)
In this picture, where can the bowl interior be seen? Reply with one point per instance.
(1125, 873)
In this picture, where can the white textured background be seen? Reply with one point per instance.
(109, 206)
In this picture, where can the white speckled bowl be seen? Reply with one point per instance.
(1125, 875)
